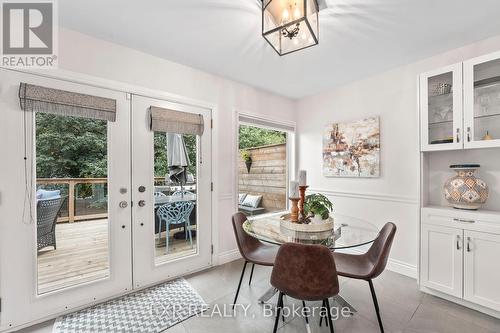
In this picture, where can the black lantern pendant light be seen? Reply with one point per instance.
(290, 25)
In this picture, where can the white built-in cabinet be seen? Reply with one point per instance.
(460, 252)
(460, 105)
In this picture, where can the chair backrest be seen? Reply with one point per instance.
(46, 214)
(378, 254)
(175, 212)
(159, 194)
(305, 272)
(245, 242)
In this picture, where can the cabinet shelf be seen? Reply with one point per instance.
(487, 82)
(440, 122)
(487, 116)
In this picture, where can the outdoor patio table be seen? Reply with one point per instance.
(348, 232)
(170, 198)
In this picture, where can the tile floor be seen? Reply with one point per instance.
(403, 307)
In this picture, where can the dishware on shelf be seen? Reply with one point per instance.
(465, 190)
(442, 89)
(488, 136)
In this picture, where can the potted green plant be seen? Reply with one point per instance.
(245, 155)
(317, 207)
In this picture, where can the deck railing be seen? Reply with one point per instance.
(70, 185)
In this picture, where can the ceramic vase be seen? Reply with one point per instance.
(465, 190)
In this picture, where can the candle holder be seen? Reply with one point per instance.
(294, 210)
(302, 190)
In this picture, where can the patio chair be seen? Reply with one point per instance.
(47, 211)
(159, 194)
(175, 214)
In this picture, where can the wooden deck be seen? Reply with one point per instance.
(82, 255)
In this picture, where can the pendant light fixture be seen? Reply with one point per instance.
(290, 25)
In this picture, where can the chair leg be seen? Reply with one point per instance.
(321, 315)
(188, 230)
(329, 315)
(239, 284)
(375, 302)
(251, 275)
(278, 311)
(305, 316)
(167, 236)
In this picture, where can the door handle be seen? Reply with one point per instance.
(468, 244)
(458, 135)
(468, 134)
(123, 204)
(459, 240)
(464, 221)
(142, 203)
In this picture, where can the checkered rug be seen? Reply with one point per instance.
(152, 310)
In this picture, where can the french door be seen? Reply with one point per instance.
(88, 260)
(108, 238)
(167, 244)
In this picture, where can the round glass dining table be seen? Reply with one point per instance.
(348, 232)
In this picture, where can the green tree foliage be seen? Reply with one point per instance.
(70, 147)
(251, 137)
(160, 148)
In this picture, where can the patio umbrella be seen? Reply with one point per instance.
(178, 159)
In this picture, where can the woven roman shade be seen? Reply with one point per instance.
(66, 103)
(171, 121)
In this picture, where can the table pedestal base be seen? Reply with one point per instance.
(339, 300)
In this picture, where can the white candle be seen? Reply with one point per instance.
(302, 178)
(294, 189)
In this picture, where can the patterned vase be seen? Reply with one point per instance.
(465, 191)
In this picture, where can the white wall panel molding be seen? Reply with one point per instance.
(367, 196)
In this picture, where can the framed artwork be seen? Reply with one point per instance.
(352, 149)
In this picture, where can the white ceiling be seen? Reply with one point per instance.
(358, 38)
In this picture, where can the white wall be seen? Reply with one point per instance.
(84, 54)
(393, 196)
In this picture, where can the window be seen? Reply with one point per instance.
(263, 166)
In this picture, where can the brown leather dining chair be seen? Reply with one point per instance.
(369, 265)
(307, 273)
(251, 249)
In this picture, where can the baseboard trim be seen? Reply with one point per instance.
(228, 256)
(367, 196)
(402, 268)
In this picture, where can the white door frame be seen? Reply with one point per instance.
(146, 272)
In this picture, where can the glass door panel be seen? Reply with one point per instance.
(172, 188)
(482, 98)
(175, 199)
(441, 111)
(71, 176)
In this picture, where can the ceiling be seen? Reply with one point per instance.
(358, 38)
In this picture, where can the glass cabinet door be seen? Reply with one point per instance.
(482, 101)
(441, 109)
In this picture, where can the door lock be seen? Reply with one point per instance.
(142, 189)
(123, 204)
(142, 203)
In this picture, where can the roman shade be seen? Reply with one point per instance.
(66, 103)
(171, 121)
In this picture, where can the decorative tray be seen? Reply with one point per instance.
(326, 225)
